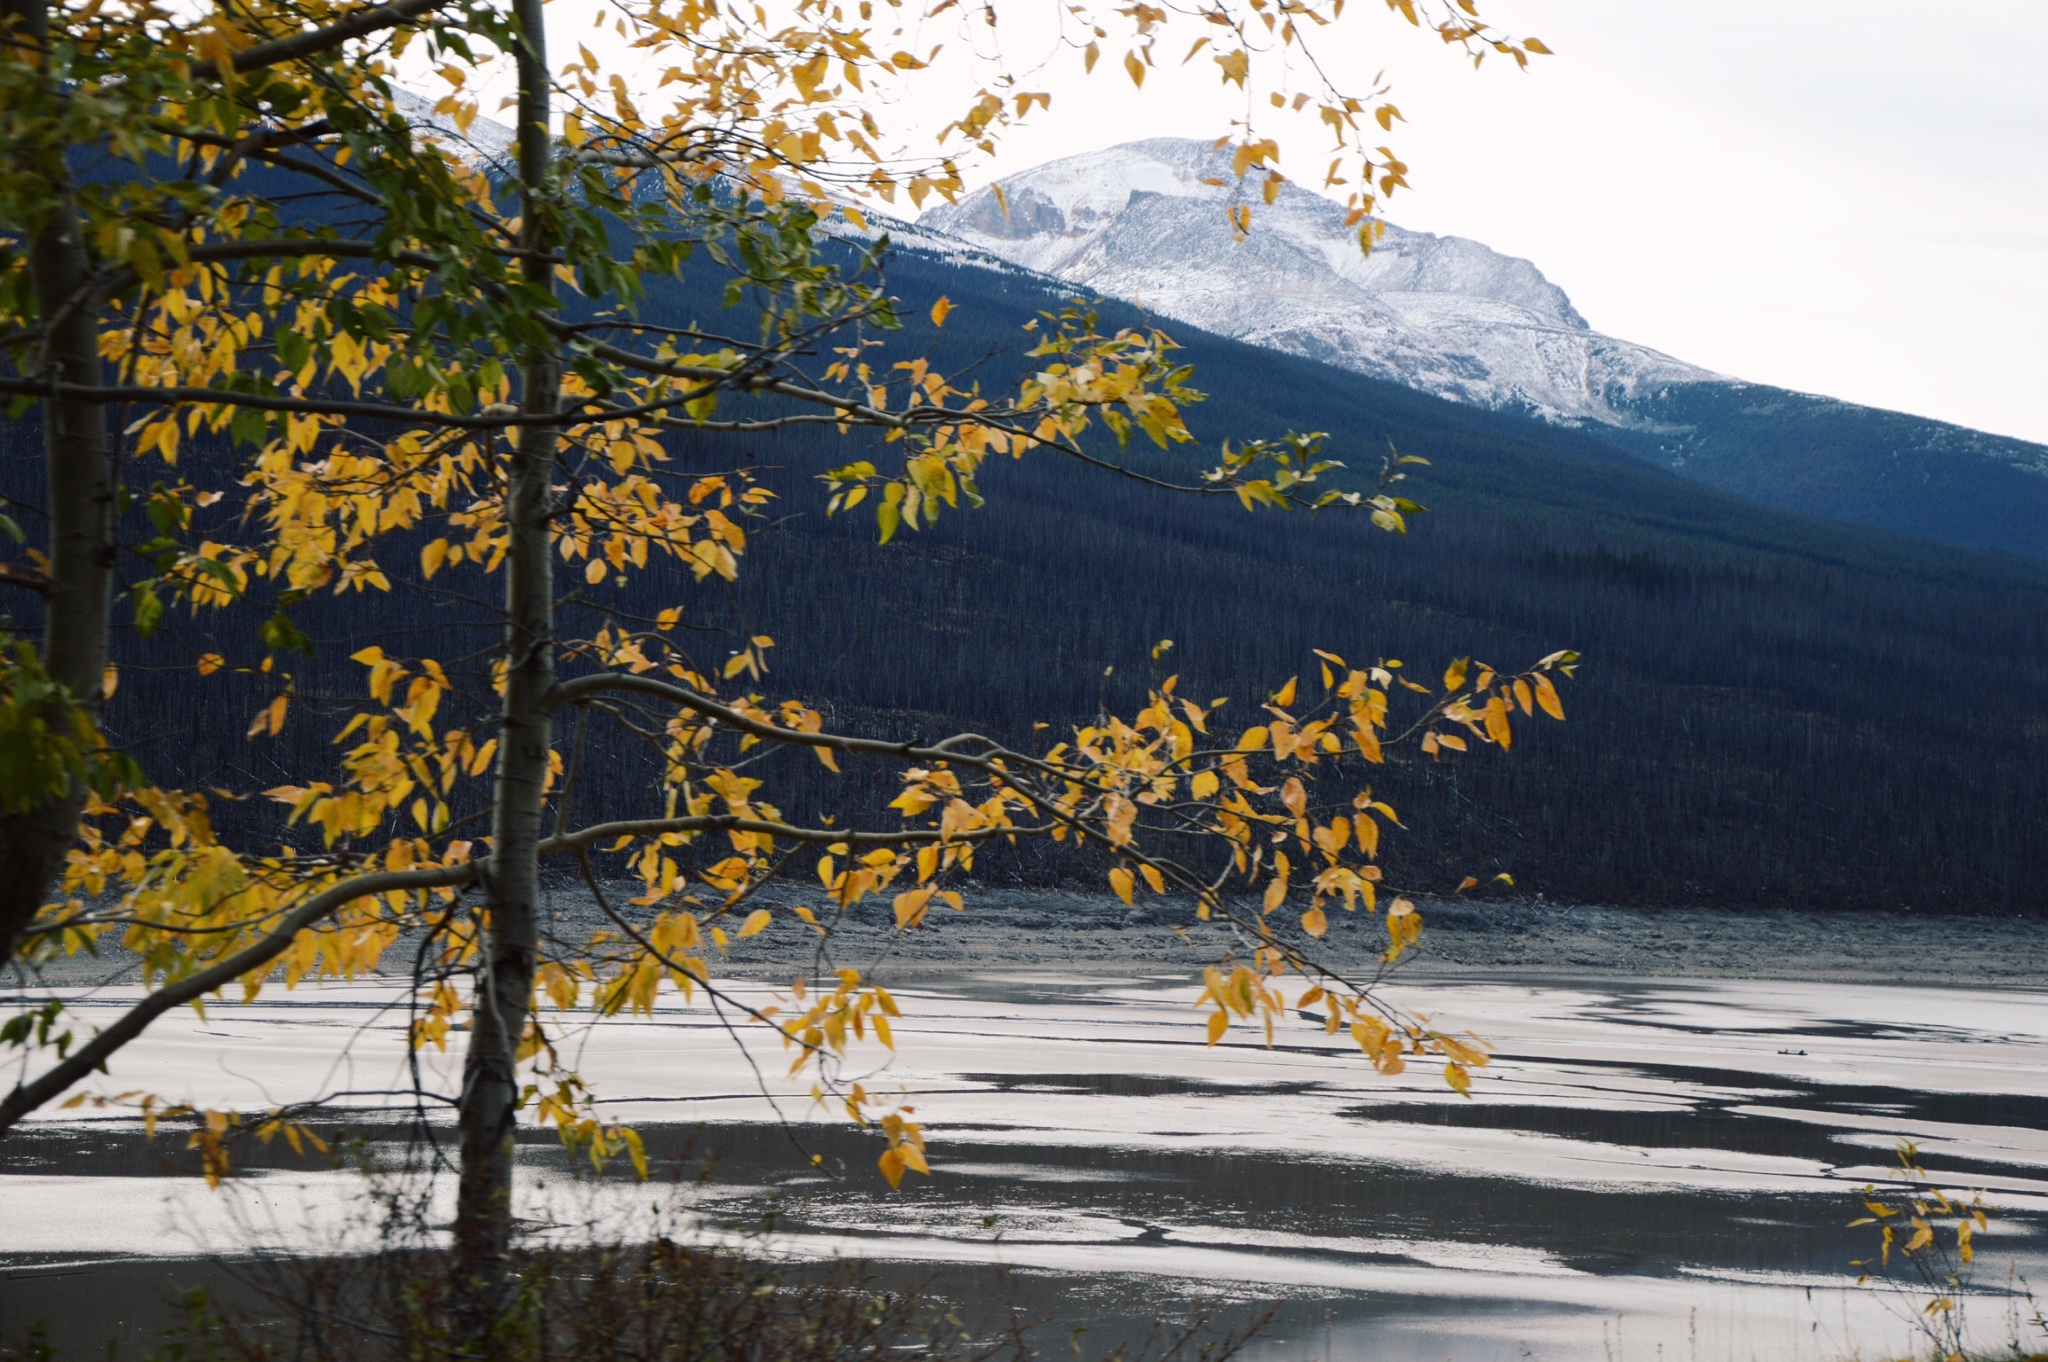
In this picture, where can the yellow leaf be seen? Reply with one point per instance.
(1122, 881)
(636, 1151)
(1461, 1081)
(891, 1164)
(1204, 784)
(594, 573)
(756, 920)
(110, 680)
(1454, 675)
(940, 309)
(1089, 56)
(1546, 696)
(432, 556)
(271, 719)
(910, 907)
(1218, 1024)
(209, 663)
(1285, 695)
(1315, 922)
(1153, 878)
(1295, 796)
(1135, 67)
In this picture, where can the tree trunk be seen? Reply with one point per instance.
(81, 479)
(490, 1085)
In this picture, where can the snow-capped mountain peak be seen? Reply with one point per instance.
(1146, 222)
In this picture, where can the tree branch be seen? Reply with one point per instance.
(728, 822)
(314, 41)
(992, 758)
(94, 1054)
(9, 577)
(112, 393)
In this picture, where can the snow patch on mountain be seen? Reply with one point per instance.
(485, 142)
(1146, 222)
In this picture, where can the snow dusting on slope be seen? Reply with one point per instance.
(1146, 222)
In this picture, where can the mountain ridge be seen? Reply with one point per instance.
(1146, 222)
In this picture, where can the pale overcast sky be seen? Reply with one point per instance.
(1847, 197)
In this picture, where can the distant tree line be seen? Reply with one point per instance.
(1773, 713)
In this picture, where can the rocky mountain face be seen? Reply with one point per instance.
(1146, 222)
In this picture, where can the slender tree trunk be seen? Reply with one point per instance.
(81, 477)
(490, 1086)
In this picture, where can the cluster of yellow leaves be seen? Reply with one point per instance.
(1256, 992)
(398, 756)
(818, 1025)
(1126, 379)
(1909, 1220)
(183, 901)
(212, 1127)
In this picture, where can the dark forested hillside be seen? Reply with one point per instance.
(1822, 457)
(1772, 711)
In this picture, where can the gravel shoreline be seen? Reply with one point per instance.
(1006, 929)
(1054, 930)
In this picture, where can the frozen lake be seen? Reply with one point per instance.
(1650, 1168)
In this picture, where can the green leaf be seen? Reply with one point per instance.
(280, 635)
(149, 608)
